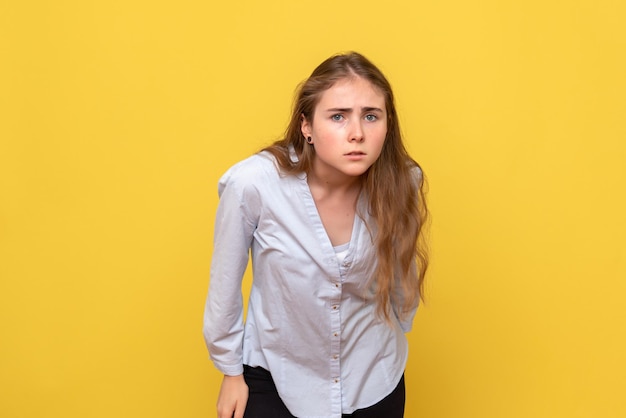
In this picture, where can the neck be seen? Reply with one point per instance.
(341, 184)
(328, 178)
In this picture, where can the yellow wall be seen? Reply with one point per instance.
(117, 118)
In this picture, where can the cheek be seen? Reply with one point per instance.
(381, 142)
(382, 136)
(327, 133)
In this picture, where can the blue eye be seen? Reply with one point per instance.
(337, 117)
(371, 118)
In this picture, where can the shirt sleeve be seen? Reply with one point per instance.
(407, 322)
(235, 223)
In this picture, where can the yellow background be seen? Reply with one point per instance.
(117, 119)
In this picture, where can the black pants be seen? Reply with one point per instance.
(264, 402)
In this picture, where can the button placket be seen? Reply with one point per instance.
(335, 340)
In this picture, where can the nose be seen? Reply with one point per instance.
(356, 134)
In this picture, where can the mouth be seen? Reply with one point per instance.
(355, 153)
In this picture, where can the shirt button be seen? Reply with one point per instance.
(335, 357)
(335, 334)
(335, 307)
(336, 380)
(346, 264)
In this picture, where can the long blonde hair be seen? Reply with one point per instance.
(395, 192)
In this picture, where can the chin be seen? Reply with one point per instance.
(356, 172)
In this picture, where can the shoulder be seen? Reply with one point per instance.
(416, 173)
(254, 171)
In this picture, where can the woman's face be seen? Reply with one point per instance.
(348, 129)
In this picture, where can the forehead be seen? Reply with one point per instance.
(352, 92)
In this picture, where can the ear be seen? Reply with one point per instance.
(305, 126)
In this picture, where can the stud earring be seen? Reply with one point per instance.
(309, 140)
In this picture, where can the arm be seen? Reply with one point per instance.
(233, 397)
(399, 296)
(406, 324)
(223, 317)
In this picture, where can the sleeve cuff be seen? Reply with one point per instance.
(232, 370)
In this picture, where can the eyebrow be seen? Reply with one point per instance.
(348, 109)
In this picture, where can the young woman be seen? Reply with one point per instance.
(332, 215)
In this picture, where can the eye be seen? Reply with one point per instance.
(337, 117)
(371, 118)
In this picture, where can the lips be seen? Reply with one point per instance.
(355, 153)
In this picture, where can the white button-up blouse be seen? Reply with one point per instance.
(311, 319)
